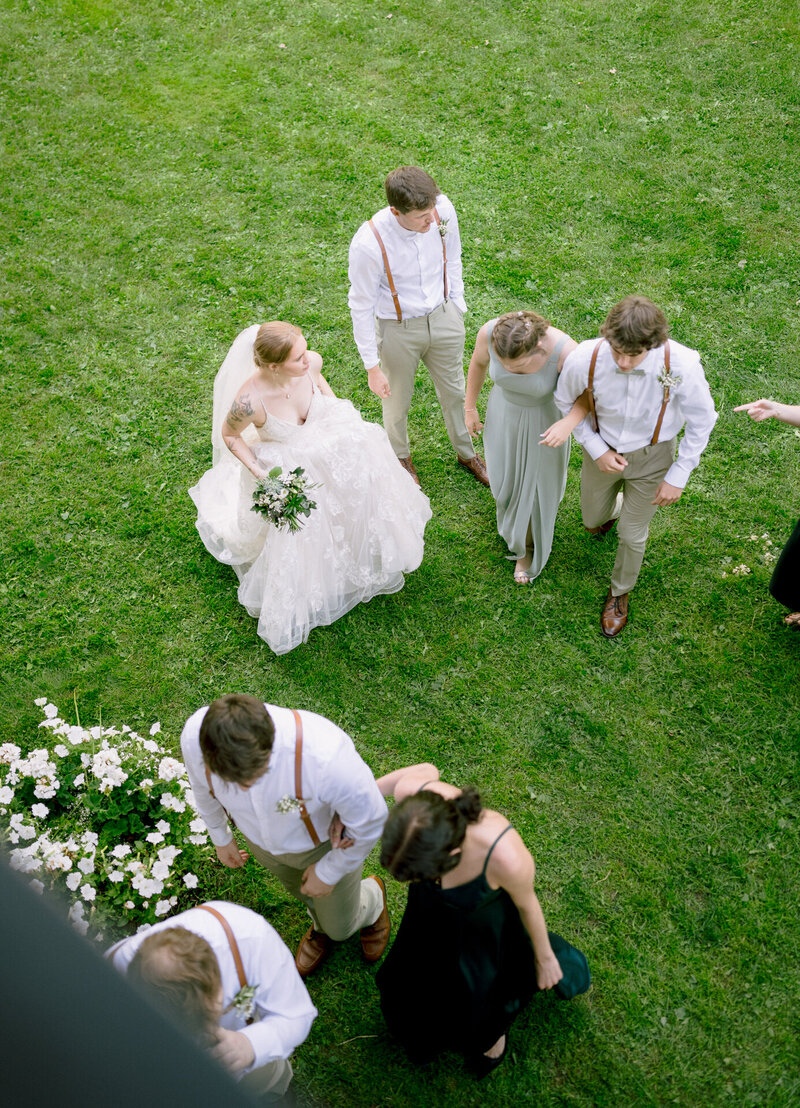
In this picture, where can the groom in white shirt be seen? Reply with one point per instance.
(308, 809)
(407, 305)
(643, 389)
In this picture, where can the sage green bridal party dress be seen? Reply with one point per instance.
(528, 480)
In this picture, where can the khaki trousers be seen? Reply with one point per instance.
(269, 1082)
(353, 904)
(626, 497)
(436, 340)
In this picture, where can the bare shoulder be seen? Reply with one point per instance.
(557, 336)
(511, 861)
(243, 409)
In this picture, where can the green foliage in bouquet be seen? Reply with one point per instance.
(282, 500)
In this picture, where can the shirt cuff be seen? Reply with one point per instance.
(677, 475)
(220, 836)
(595, 445)
(335, 865)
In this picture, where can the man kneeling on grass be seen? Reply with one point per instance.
(222, 972)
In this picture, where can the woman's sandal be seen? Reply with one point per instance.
(523, 576)
(482, 1065)
(792, 620)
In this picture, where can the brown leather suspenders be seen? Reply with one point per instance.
(590, 387)
(232, 943)
(390, 279)
(444, 252)
(665, 399)
(298, 778)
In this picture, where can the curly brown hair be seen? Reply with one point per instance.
(634, 325)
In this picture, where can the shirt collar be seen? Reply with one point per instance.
(649, 365)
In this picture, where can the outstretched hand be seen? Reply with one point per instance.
(759, 409)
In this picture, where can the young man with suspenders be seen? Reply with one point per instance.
(224, 974)
(305, 803)
(407, 304)
(643, 389)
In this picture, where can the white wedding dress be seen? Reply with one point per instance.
(365, 533)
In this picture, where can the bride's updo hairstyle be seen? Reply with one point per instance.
(423, 830)
(517, 333)
(274, 342)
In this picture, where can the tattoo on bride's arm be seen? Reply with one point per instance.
(241, 409)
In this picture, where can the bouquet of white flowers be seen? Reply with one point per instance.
(102, 815)
(282, 500)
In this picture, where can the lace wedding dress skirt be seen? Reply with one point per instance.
(365, 533)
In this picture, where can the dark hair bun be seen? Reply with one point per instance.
(468, 805)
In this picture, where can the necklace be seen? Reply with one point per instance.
(287, 395)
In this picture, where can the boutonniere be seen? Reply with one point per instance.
(443, 228)
(288, 804)
(668, 381)
(244, 1003)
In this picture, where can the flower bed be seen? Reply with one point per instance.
(104, 817)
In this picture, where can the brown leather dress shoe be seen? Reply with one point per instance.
(311, 952)
(615, 614)
(477, 467)
(408, 466)
(375, 937)
(603, 529)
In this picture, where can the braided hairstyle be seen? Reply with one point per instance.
(516, 334)
(423, 830)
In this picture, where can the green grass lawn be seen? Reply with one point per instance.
(175, 170)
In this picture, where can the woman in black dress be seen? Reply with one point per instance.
(785, 583)
(472, 947)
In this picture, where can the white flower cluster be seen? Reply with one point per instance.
(766, 557)
(104, 834)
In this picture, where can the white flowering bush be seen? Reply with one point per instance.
(103, 815)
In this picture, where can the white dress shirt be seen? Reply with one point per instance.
(335, 779)
(415, 260)
(284, 1012)
(628, 404)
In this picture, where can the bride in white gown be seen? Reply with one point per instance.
(273, 407)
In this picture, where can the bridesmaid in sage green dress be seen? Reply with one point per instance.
(526, 443)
